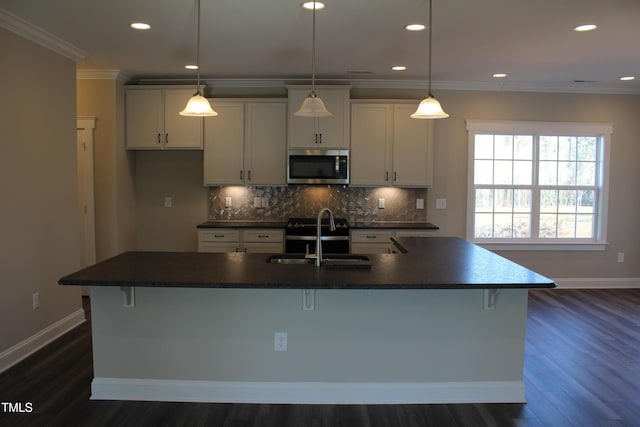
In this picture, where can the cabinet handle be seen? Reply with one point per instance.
(263, 236)
(395, 176)
(218, 235)
(158, 138)
(386, 176)
(372, 237)
(166, 138)
(320, 138)
(316, 138)
(249, 175)
(240, 174)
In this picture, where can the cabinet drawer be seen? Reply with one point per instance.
(263, 235)
(218, 235)
(218, 246)
(364, 236)
(371, 248)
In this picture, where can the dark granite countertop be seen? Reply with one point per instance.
(429, 263)
(391, 225)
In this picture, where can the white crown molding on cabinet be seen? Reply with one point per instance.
(84, 74)
(37, 35)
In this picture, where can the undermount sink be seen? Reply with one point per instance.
(330, 261)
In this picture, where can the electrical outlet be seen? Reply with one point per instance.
(227, 202)
(257, 202)
(168, 202)
(35, 299)
(620, 256)
(419, 203)
(441, 203)
(380, 203)
(280, 341)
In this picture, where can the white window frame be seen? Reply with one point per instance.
(605, 130)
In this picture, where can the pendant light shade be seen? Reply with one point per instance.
(198, 105)
(313, 106)
(429, 108)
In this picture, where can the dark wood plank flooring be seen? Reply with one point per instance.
(582, 368)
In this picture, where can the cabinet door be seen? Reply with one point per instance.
(325, 132)
(181, 132)
(412, 149)
(144, 119)
(265, 143)
(371, 144)
(224, 145)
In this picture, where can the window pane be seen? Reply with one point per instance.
(522, 201)
(566, 173)
(483, 172)
(567, 148)
(483, 225)
(522, 225)
(567, 201)
(586, 201)
(548, 148)
(483, 147)
(586, 173)
(484, 200)
(523, 147)
(548, 226)
(503, 200)
(548, 201)
(566, 226)
(548, 173)
(522, 172)
(503, 173)
(504, 147)
(587, 148)
(584, 226)
(503, 226)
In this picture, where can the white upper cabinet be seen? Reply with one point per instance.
(153, 122)
(388, 147)
(324, 132)
(246, 143)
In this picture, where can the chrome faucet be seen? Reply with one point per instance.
(332, 226)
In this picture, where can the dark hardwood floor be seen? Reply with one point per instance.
(582, 368)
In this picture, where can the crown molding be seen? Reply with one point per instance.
(85, 74)
(37, 35)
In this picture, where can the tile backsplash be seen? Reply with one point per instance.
(359, 205)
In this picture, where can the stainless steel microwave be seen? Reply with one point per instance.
(313, 166)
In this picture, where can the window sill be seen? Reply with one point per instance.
(535, 246)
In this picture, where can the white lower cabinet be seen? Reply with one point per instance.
(375, 241)
(240, 240)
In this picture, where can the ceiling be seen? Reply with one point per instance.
(531, 40)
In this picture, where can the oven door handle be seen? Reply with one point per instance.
(334, 238)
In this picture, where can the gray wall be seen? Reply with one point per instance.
(39, 217)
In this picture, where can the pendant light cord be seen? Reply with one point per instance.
(198, 53)
(313, 52)
(429, 60)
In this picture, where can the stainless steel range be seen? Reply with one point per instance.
(300, 236)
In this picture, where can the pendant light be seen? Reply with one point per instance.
(429, 108)
(198, 105)
(313, 106)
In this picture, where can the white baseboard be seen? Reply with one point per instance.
(306, 392)
(23, 349)
(598, 283)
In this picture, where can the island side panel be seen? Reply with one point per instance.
(432, 345)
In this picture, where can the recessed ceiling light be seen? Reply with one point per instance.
(398, 68)
(191, 67)
(140, 25)
(585, 27)
(309, 5)
(626, 78)
(415, 27)
(499, 75)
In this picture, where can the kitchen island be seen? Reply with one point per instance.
(443, 322)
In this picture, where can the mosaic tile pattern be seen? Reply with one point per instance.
(280, 203)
